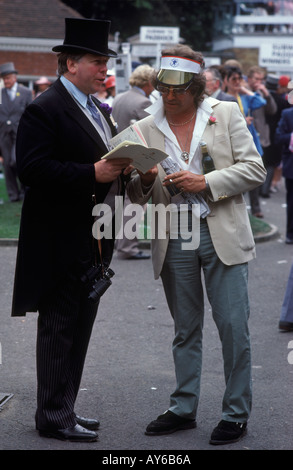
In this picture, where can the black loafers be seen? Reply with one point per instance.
(227, 432)
(92, 424)
(286, 326)
(168, 423)
(74, 434)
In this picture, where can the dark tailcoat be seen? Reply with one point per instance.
(55, 150)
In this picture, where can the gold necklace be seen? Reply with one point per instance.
(182, 123)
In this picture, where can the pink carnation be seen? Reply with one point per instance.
(212, 120)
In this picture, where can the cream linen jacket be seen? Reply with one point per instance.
(239, 168)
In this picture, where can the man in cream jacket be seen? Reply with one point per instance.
(178, 122)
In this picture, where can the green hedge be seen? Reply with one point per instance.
(10, 218)
(9, 213)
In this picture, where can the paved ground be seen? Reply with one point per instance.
(129, 370)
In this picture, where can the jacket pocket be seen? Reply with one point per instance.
(243, 227)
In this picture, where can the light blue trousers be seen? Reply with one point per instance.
(227, 292)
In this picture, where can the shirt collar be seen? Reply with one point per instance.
(14, 87)
(74, 91)
(216, 93)
(157, 109)
(140, 90)
(12, 91)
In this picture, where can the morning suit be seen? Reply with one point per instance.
(283, 137)
(10, 113)
(226, 245)
(56, 148)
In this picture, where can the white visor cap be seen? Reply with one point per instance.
(177, 70)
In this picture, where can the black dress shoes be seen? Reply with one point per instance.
(92, 424)
(76, 433)
(286, 325)
(227, 432)
(168, 423)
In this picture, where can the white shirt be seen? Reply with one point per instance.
(12, 91)
(172, 146)
(173, 149)
(81, 100)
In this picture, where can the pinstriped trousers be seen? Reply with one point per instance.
(227, 292)
(65, 324)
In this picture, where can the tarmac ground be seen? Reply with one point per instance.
(129, 372)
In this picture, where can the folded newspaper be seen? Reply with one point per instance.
(130, 143)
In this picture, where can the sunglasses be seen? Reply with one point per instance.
(236, 79)
(165, 90)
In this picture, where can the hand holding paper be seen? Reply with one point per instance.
(130, 143)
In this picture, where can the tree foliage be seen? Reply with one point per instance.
(193, 17)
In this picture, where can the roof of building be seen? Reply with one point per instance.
(34, 19)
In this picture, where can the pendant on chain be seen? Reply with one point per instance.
(185, 156)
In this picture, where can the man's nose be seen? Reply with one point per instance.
(170, 90)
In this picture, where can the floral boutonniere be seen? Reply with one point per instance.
(212, 120)
(17, 93)
(105, 107)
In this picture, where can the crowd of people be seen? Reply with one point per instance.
(61, 269)
(262, 98)
(265, 102)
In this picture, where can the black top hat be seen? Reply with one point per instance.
(6, 69)
(90, 36)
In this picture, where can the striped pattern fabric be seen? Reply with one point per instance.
(65, 324)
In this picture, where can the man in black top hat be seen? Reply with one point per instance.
(59, 149)
(14, 99)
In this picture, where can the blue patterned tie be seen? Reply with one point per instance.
(94, 112)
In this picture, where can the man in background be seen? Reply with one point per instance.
(129, 107)
(15, 99)
(42, 84)
(273, 154)
(256, 83)
(214, 85)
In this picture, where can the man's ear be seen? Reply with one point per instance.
(72, 66)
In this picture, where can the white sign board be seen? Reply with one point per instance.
(278, 56)
(122, 72)
(209, 61)
(159, 34)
